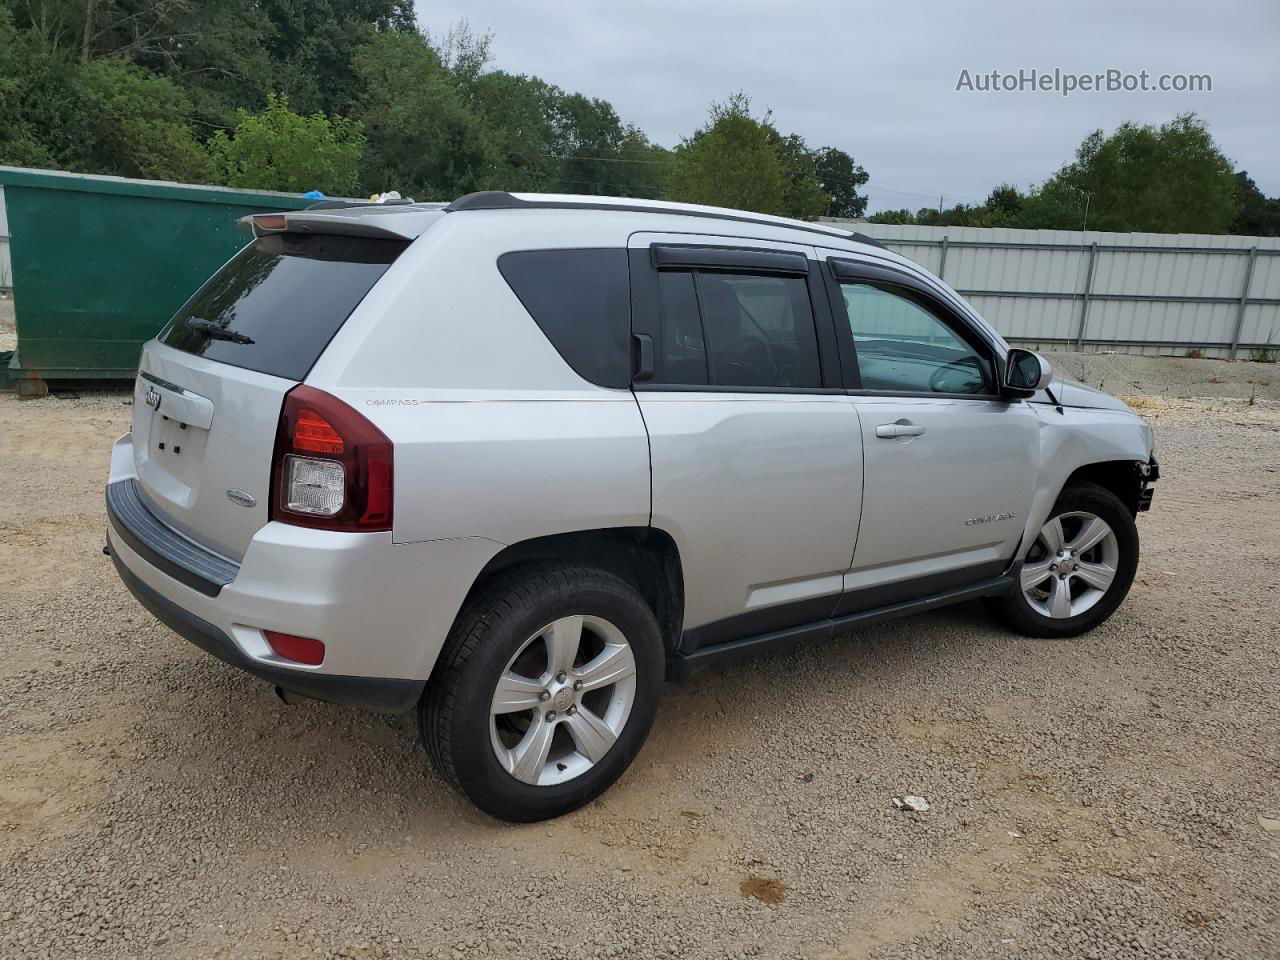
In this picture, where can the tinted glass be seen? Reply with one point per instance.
(581, 301)
(759, 330)
(903, 346)
(684, 355)
(278, 303)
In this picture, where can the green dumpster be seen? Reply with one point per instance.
(99, 264)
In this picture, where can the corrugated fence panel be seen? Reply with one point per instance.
(1261, 326)
(1138, 292)
(6, 268)
(1029, 318)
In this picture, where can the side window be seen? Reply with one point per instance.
(581, 300)
(737, 330)
(901, 345)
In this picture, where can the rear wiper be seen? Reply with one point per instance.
(215, 331)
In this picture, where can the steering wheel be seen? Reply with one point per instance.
(752, 356)
(937, 379)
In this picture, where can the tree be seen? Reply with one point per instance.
(282, 150)
(37, 110)
(1166, 179)
(597, 152)
(1259, 215)
(514, 112)
(99, 116)
(740, 161)
(900, 216)
(422, 139)
(134, 124)
(732, 162)
(314, 46)
(804, 195)
(840, 178)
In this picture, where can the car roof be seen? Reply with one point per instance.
(406, 219)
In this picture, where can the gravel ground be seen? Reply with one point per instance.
(1093, 798)
(1127, 374)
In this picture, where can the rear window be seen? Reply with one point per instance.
(278, 303)
(581, 301)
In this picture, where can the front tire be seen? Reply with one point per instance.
(544, 692)
(1079, 569)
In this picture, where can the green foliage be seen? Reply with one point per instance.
(282, 150)
(1264, 354)
(134, 124)
(1166, 179)
(101, 116)
(422, 139)
(804, 194)
(1259, 215)
(899, 216)
(841, 178)
(597, 152)
(36, 113)
(514, 111)
(740, 161)
(732, 162)
(316, 44)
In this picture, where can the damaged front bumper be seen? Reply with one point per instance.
(1148, 474)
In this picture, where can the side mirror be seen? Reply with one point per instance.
(1025, 373)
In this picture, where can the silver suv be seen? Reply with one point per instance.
(513, 461)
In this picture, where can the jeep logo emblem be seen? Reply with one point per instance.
(152, 398)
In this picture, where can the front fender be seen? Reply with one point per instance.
(1075, 437)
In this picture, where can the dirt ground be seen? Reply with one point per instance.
(1112, 796)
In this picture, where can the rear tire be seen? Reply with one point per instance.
(526, 727)
(1079, 569)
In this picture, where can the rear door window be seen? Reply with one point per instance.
(737, 330)
(276, 305)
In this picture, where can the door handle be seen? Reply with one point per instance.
(641, 356)
(903, 428)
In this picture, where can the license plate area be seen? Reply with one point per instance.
(171, 440)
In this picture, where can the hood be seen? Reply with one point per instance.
(1071, 393)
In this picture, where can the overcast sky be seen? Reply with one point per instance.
(879, 79)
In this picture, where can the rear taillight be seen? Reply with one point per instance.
(332, 468)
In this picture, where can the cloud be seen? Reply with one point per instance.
(878, 80)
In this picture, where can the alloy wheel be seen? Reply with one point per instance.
(563, 700)
(1071, 565)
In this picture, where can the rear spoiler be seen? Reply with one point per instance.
(395, 221)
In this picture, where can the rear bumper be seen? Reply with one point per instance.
(382, 609)
(383, 694)
(163, 547)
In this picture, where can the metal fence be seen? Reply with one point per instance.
(1126, 292)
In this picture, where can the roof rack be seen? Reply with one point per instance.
(501, 200)
(869, 241)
